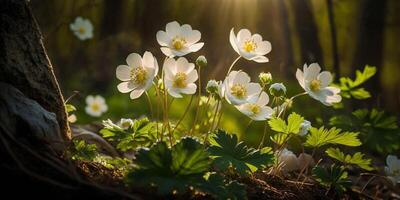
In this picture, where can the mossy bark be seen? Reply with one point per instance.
(24, 63)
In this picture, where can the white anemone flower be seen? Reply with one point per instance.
(257, 108)
(179, 40)
(95, 105)
(250, 47)
(238, 89)
(304, 127)
(180, 76)
(82, 28)
(125, 123)
(288, 160)
(392, 170)
(138, 75)
(316, 84)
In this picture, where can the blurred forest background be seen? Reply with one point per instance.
(341, 35)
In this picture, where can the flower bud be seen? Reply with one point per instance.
(277, 89)
(265, 78)
(201, 61)
(212, 87)
(304, 127)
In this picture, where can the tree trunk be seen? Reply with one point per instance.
(369, 46)
(24, 63)
(308, 32)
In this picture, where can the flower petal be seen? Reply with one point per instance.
(263, 48)
(263, 99)
(325, 78)
(134, 60)
(243, 34)
(123, 72)
(192, 76)
(312, 72)
(233, 41)
(162, 38)
(260, 59)
(182, 65)
(253, 89)
(174, 93)
(125, 87)
(189, 89)
(136, 93)
(241, 78)
(173, 29)
(196, 47)
(167, 52)
(89, 99)
(300, 77)
(148, 60)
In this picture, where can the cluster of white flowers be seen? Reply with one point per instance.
(179, 75)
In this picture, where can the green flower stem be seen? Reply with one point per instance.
(158, 109)
(297, 95)
(205, 110)
(150, 104)
(198, 104)
(234, 62)
(212, 123)
(221, 112)
(264, 134)
(184, 114)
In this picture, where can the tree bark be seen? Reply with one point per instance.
(308, 32)
(24, 63)
(369, 45)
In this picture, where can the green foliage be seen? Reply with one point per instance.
(84, 151)
(70, 108)
(334, 177)
(320, 137)
(113, 163)
(170, 169)
(222, 189)
(141, 133)
(351, 88)
(292, 126)
(356, 159)
(228, 152)
(378, 130)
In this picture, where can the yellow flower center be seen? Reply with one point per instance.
(315, 85)
(126, 124)
(139, 75)
(180, 80)
(81, 30)
(238, 90)
(249, 46)
(254, 108)
(178, 43)
(95, 107)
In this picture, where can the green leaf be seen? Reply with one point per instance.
(177, 168)
(222, 189)
(279, 138)
(142, 134)
(379, 131)
(292, 126)
(351, 88)
(278, 125)
(320, 137)
(70, 108)
(356, 159)
(84, 151)
(333, 177)
(228, 152)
